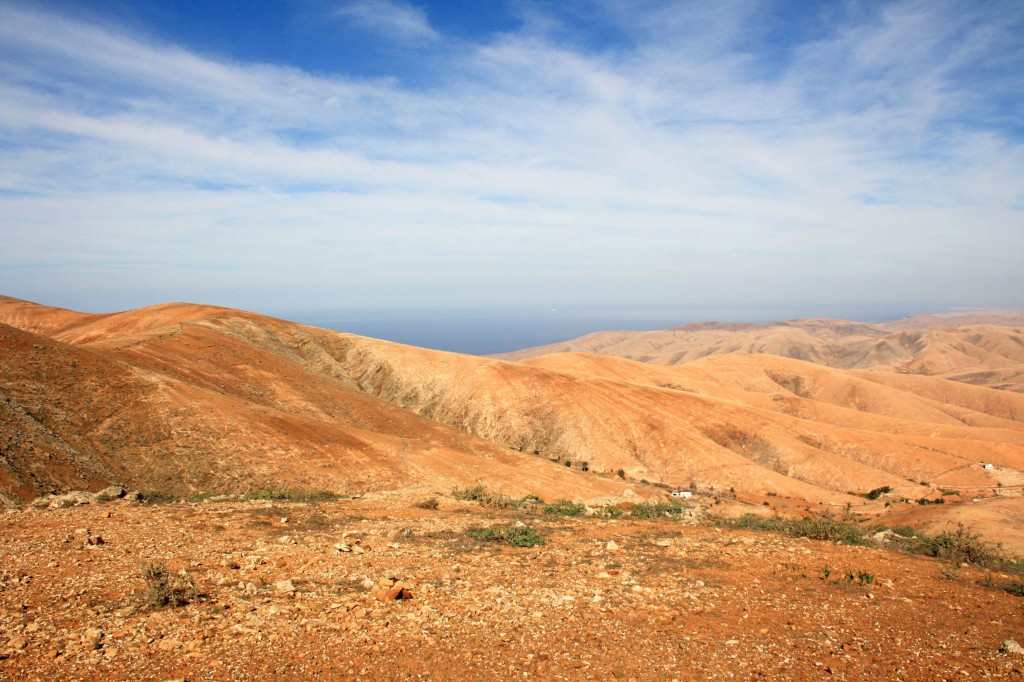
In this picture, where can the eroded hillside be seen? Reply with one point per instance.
(182, 398)
(981, 349)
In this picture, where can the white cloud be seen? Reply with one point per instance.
(645, 175)
(399, 21)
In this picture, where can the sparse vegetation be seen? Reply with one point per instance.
(609, 511)
(291, 495)
(878, 492)
(565, 508)
(158, 497)
(477, 493)
(824, 526)
(429, 503)
(164, 588)
(657, 510)
(964, 546)
(516, 536)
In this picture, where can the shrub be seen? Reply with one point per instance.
(824, 526)
(429, 503)
(290, 495)
(516, 536)
(164, 588)
(878, 492)
(565, 508)
(621, 473)
(477, 493)
(656, 510)
(532, 499)
(964, 546)
(609, 511)
(905, 531)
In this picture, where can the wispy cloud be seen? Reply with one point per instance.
(669, 167)
(399, 21)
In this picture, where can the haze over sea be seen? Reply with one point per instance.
(501, 330)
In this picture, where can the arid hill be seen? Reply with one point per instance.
(181, 399)
(985, 349)
(184, 398)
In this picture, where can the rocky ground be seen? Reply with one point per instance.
(301, 591)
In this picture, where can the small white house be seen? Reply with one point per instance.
(685, 494)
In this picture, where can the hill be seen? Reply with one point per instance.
(982, 349)
(182, 399)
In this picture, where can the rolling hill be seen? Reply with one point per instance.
(981, 349)
(185, 398)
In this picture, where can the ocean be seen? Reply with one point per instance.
(484, 332)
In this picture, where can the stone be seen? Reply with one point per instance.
(92, 639)
(1011, 647)
(612, 546)
(114, 492)
(168, 644)
(284, 586)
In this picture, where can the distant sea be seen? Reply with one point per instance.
(484, 332)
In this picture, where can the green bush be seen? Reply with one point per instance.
(878, 492)
(824, 526)
(565, 508)
(964, 546)
(516, 536)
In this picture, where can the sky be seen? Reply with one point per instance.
(321, 157)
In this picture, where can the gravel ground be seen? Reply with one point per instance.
(293, 591)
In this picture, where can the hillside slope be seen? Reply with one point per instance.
(182, 399)
(186, 398)
(986, 350)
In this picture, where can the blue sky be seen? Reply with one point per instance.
(374, 155)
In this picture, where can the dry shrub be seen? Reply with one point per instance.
(164, 588)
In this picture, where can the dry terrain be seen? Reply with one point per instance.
(382, 573)
(985, 349)
(179, 399)
(292, 592)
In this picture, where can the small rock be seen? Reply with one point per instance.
(1011, 647)
(284, 586)
(91, 639)
(612, 546)
(168, 644)
(114, 492)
